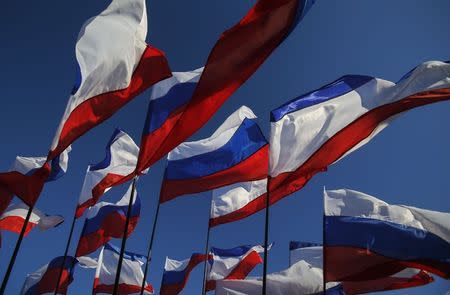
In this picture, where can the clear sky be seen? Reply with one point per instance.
(406, 164)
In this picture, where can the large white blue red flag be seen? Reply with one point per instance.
(236, 152)
(119, 162)
(235, 57)
(105, 221)
(317, 129)
(14, 217)
(110, 74)
(313, 254)
(131, 275)
(366, 238)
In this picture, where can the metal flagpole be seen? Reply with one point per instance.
(323, 252)
(16, 250)
(124, 239)
(205, 269)
(266, 241)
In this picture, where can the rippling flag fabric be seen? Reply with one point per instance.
(119, 162)
(313, 254)
(366, 238)
(236, 152)
(131, 275)
(105, 221)
(176, 273)
(14, 217)
(43, 281)
(237, 54)
(317, 129)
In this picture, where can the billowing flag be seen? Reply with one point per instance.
(366, 238)
(235, 57)
(131, 275)
(176, 273)
(14, 217)
(317, 129)
(313, 254)
(105, 221)
(119, 162)
(236, 152)
(43, 281)
(110, 74)
(232, 264)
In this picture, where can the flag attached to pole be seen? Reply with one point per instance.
(237, 151)
(105, 221)
(131, 275)
(366, 238)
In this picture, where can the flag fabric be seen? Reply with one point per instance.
(131, 275)
(176, 273)
(119, 162)
(237, 151)
(313, 254)
(317, 129)
(235, 57)
(14, 217)
(366, 238)
(43, 281)
(232, 264)
(105, 221)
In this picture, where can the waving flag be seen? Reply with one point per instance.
(366, 238)
(407, 278)
(13, 219)
(131, 275)
(43, 281)
(105, 221)
(236, 152)
(176, 273)
(317, 129)
(235, 57)
(119, 162)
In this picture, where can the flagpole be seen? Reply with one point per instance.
(205, 269)
(323, 252)
(69, 240)
(16, 251)
(124, 239)
(266, 240)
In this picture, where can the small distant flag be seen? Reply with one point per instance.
(105, 221)
(237, 151)
(131, 275)
(119, 162)
(366, 238)
(14, 217)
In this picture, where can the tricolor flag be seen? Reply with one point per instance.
(131, 275)
(176, 273)
(119, 162)
(407, 278)
(237, 54)
(14, 217)
(366, 238)
(105, 221)
(236, 152)
(110, 74)
(317, 129)
(43, 281)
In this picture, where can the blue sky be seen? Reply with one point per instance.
(406, 164)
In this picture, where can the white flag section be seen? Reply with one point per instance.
(14, 217)
(131, 275)
(120, 161)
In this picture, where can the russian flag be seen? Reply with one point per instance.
(367, 239)
(105, 221)
(317, 129)
(14, 217)
(176, 273)
(236, 152)
(43, 281)
(237, 54)
(313, 254)
(119, 162)
(131, 275)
